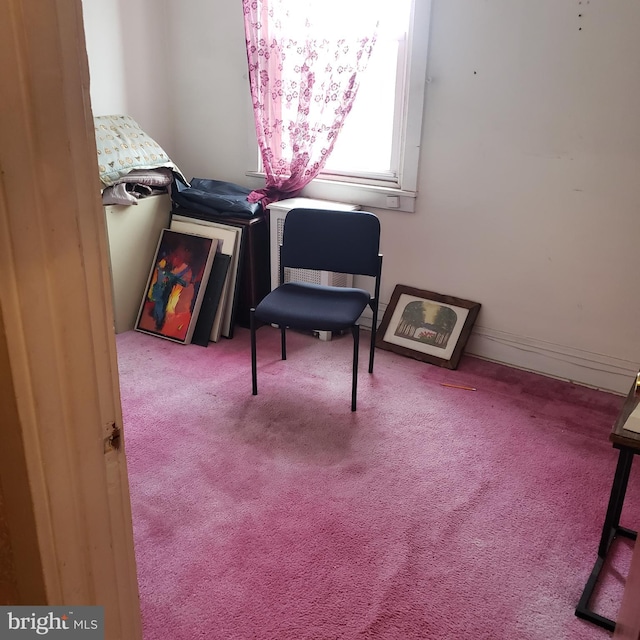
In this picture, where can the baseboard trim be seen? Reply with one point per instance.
(558, 361)
(581, 367)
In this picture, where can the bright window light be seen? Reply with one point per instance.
(366, 145)
(374, 162)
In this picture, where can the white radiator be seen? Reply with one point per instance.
(277, 214)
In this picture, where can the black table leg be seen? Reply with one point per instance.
(610, 530)
(612, 526)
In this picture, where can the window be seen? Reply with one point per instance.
(366, 146)
(375, 160)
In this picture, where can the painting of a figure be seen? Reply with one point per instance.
(176, 285)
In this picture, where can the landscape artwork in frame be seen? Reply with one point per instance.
(176, 285)
(427, 326)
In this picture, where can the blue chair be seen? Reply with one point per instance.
(338, 241)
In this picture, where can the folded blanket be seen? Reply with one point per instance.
(123, 147)
(137, 184)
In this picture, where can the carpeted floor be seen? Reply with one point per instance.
(432, 512)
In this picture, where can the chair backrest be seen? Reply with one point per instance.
(341, 241)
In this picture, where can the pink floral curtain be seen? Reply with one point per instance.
(305, 58)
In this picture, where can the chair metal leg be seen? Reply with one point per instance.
(283, 341)
(254, 368)
(355, 330)
(372, 347)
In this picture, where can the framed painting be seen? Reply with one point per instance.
(427, 326)
(176, 285)
(225, 253)
(230, 238)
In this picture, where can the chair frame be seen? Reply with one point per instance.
(373, 304)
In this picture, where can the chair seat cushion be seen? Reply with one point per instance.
(311, 306)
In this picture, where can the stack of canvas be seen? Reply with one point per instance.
(192, 288)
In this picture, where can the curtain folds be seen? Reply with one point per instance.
(305, 59)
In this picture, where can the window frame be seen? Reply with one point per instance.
(377, 190)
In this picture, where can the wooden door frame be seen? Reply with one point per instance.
(62, 473)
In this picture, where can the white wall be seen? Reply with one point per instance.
(212, 103)
(529, 180)
(103, 36)
(529, 189)
(129, 49)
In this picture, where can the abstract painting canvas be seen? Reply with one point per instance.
(176, 285)
(229, 243)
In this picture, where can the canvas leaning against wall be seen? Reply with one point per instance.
(176, 285)
(230, 238)
(427, 326)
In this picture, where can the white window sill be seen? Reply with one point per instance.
(365, 195)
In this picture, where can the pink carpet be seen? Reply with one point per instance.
(432, 512)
